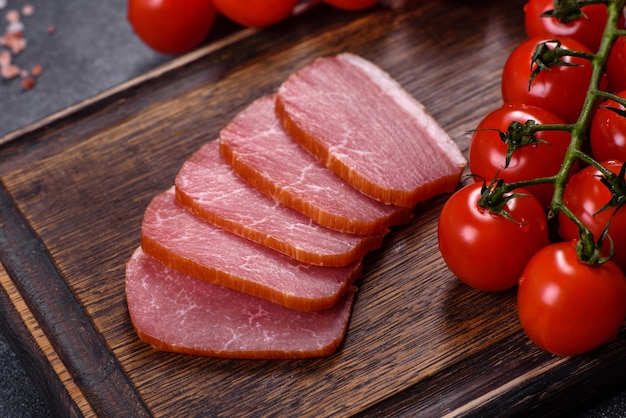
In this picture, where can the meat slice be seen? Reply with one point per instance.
(257, 147)
(208, 187)
(176, 312)
(366, 128)
(184, 242)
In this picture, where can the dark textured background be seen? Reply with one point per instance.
(94, 49)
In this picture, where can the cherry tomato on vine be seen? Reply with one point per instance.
(584, 195)
(586, 29)
(351, 4)
(608, 132)
(255, 13)
(616, 65)
(560, 90)
(487, 152)
(171, 26)
(486, 250)
(567, 307)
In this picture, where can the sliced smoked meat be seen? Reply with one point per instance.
(257, 147)
(184, 242)
(176, 312)
(209, 187)
(366, 128)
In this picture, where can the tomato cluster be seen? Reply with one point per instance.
(178, 26)
(547, 210)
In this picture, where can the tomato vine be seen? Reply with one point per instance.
(547, 55)
(538, 168)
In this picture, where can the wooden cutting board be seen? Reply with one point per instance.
(74, 188)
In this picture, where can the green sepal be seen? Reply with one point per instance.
(565, 11)
(617, 186)
(494, 197)
(545, 58)
(519, 135)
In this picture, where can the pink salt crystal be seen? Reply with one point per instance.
(37, 70)
(13, 16)
(10, 71)
(28, 10)
(15, 42)
(15, 27)
(13, 39)
(28, 82)
(5, 58)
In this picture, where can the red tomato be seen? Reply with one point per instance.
(487, 151)
(560, 90)
(616, 65)
(567, 307)
(486, 250)
(586, 30)
(352, 4)
(608, 132)
(171, 26)
(584, 195)
(255, 13)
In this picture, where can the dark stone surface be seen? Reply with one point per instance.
(93, 49)
(18, 395)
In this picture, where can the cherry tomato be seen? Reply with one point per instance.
(584, 195)
(586, 29)
(255, 13)
(567, 307)
(171, 26)
(608, 132)
(560, 90)
(616, 65)
(485, 250)
(487, 151)
(352, 4)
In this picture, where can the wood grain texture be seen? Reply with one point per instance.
(38, 355)
(79, 346)
(418, 343)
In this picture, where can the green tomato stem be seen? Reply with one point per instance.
(611, 96)
(588, 250)
(552, 127)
